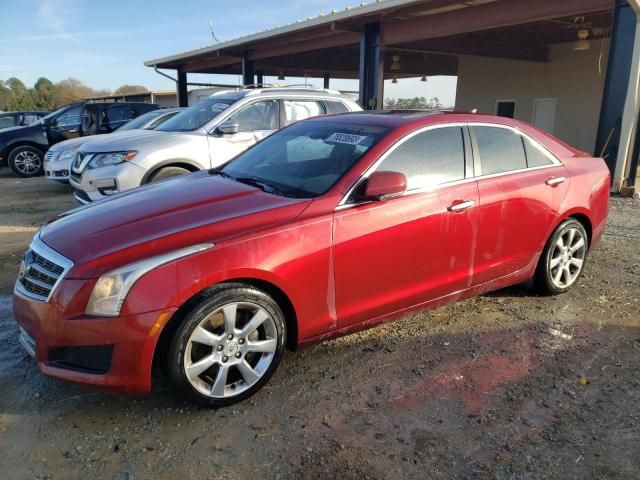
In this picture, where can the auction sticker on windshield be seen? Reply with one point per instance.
(345, 138)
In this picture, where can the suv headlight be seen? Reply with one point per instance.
(112, 158)
(111, 289)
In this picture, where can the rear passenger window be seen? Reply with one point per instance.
(8, 121)
(335, 107)
(536, 157)
(500, 150)
(119, 113)
(296, 110)
(429, 158)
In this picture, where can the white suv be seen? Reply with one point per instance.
(201, 137)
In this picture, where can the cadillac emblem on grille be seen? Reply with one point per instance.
(41, 270)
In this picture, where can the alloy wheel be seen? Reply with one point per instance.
(27, 162)
(567, 258)
(230, 350)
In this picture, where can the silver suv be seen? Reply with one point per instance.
(201, 137)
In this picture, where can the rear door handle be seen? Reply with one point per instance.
(553, 181)
(460, 206)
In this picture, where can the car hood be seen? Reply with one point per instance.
(72, 143)
(134, 140)
(161, 217)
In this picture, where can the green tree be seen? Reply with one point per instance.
(19, 97)
(44, 94)
(4, 94)
(416, 103)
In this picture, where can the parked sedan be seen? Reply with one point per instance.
(19, 119)
(329, 226)
(57, 160)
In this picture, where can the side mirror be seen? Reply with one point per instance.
(382, 185)
(228, 128)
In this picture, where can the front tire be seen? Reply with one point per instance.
(562, 260)
(26, 161)
(227, 347)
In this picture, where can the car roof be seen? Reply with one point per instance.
(401, 118)
(279, 91)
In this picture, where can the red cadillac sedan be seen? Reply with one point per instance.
(329, 226)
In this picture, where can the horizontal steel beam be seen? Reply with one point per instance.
(503, 13)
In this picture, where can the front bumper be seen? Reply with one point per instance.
(98, 183)
(63, 346)
(56, 170)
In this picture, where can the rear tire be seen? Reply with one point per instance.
(26, 161)
(168, 172)
(227, 347)
(562, 261)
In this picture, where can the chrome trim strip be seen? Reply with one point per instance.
(45, 251)
(342, 205)
(80, 199)
(27, 342)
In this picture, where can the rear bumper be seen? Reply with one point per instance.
(123, 346)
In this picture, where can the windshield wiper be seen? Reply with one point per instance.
(265, 187)
(217, 171)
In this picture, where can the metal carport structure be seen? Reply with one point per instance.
(429, 37)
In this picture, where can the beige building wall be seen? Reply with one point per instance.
(574, 78)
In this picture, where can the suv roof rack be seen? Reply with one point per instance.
(258, 88)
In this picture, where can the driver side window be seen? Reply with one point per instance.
(257, 116)
(70, 118)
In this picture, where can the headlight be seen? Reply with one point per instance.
(66, 155)
(111, 289)
(113, 158)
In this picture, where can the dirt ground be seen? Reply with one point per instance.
(487, 388)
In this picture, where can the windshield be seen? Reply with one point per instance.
(51, 115)
(140, 121)
(197, 116)
(304, 160)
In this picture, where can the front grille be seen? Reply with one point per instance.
(80, 162)
(94, 359)
(41, 270)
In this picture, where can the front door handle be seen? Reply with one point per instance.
(461, 206)
(553, 181)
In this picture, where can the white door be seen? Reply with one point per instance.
(544, 113)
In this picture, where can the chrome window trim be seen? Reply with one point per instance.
(342, 205)
(50, 254)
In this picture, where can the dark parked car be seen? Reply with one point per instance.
(23, 148)
(19, 119)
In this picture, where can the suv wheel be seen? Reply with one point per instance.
(168, 172)
(25, 161)
(228, 346)
(562, 260)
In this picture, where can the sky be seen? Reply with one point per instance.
(105, 43)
